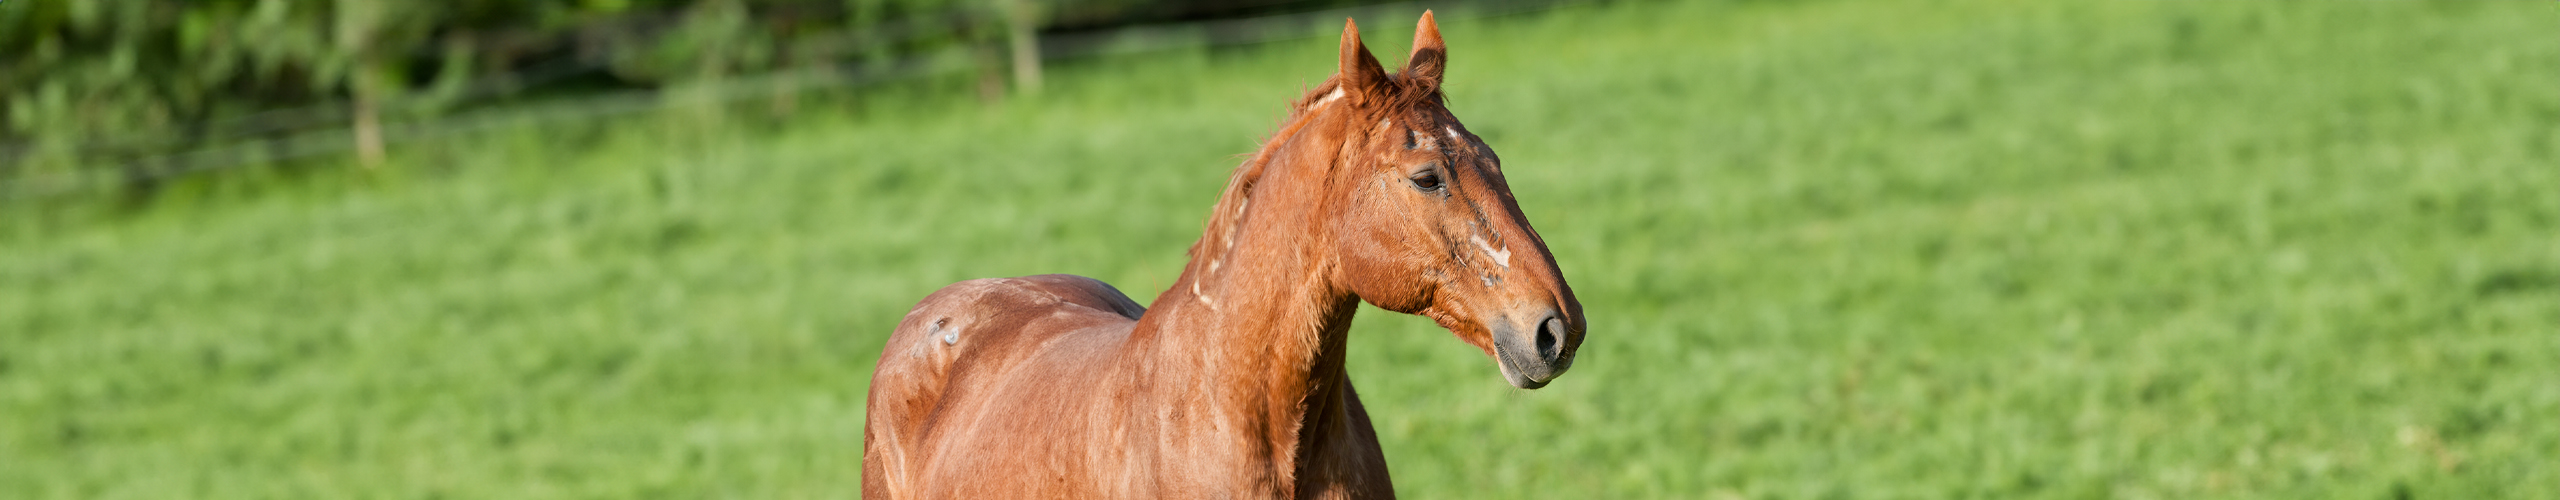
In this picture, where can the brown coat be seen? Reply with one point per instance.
(1059, 386)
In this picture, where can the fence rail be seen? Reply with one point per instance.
(318, 131)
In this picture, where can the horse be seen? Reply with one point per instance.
(1232, 385)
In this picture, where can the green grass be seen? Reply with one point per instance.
(1832, 249)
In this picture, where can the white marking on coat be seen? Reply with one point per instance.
(1500, 256)
(1453, 133)
(951, 337)
(1337, 94)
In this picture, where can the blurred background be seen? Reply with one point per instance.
(125, 95)
(1830, 248)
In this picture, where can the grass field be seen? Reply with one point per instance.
(1830, 249)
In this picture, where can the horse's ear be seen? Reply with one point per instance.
(1422, 70)
(1360, 73)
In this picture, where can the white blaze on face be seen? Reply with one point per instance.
(1423, 142)
(1500, 256)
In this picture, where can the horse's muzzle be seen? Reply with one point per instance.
(1534, 351)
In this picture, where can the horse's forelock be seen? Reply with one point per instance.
(1403, 97)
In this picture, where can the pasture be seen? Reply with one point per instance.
(1829, 249)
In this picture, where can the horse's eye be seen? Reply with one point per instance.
(1427, 180)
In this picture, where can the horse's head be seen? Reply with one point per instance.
(1425, 223)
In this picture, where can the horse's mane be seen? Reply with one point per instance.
(1403, 96)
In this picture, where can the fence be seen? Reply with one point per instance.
(318, 131)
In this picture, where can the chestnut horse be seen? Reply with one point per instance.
(1058, 386)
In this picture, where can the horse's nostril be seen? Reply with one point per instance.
(1550, 340)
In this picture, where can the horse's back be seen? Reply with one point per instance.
(974, 336)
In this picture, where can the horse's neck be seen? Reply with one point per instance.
(1257, 326)
(1254, 338)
